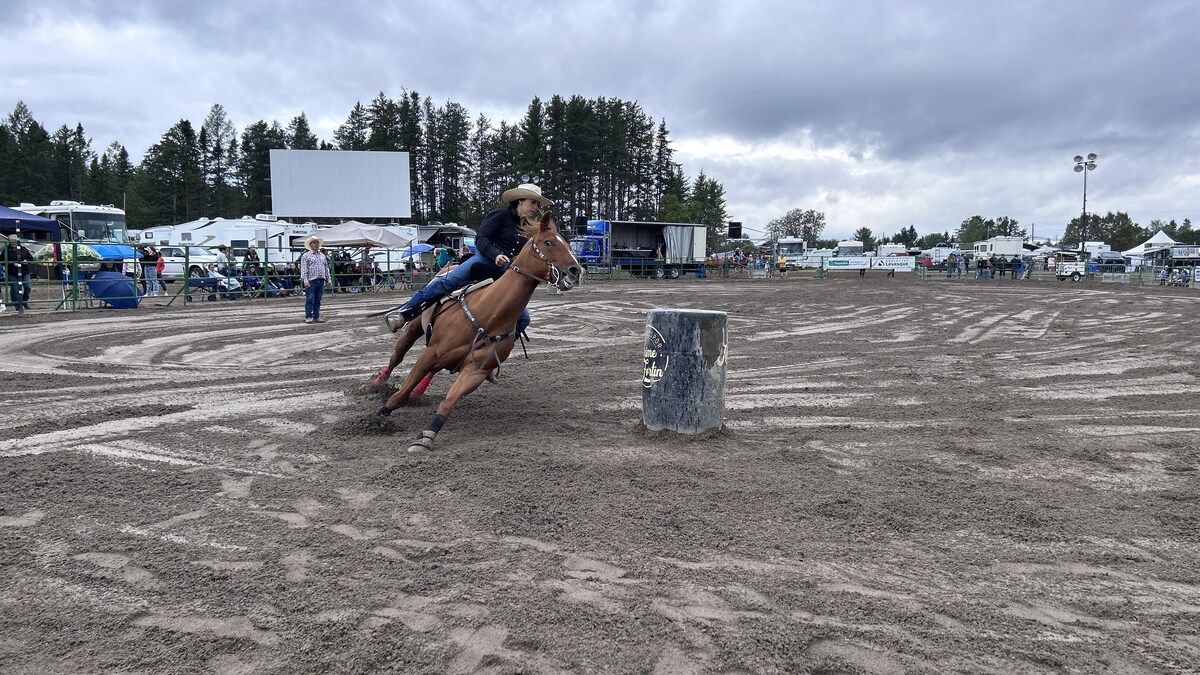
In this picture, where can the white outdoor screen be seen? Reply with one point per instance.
(340, 184)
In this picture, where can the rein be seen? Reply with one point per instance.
(552, 274)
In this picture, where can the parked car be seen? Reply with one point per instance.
(1110, 261)
(196, 258)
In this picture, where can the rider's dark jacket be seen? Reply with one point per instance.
(498, 234)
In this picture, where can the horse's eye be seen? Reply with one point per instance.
(549, 242)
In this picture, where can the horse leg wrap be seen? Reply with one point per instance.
(424, 441)
(383, 376)
(383, 411)
(419, 390)
(437, 423)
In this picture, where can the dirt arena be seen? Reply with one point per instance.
(915, 476)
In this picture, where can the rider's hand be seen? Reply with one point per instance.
(502, 260)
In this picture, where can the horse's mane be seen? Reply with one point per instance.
(529, 228)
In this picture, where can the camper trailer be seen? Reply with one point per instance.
(273, 238)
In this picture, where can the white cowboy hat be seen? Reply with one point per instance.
(525, 191)
(320, 241)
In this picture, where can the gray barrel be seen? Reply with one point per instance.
(683, 377)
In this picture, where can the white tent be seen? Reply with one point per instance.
(354, 233)
(1159, 240)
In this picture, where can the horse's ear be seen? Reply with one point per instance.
(548, 222)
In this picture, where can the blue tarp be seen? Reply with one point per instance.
(113, 251)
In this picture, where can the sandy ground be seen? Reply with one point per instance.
(914, 476)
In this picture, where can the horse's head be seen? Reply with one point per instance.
(548, 246)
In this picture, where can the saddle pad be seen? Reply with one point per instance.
(456, 294)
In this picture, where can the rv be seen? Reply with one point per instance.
(794, 249)
(846, 249)
(274, 238)
(1000, 246)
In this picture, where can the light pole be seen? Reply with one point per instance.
(1084, 166)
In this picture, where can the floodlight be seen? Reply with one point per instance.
(1091, 156)
(1078, 168)
(1078, 158)
(1091, 165)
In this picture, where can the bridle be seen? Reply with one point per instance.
(553, 274)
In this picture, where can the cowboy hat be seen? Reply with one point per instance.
(525, 191)
(320, 241)
(14, 238)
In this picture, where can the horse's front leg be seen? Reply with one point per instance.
(426, 365)
(468, 380)
(408, 338)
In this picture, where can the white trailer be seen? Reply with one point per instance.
(273, 238)
(1000, 246)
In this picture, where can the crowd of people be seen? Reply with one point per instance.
(987, 267)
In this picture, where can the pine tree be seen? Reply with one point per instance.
(300, 135)
(353, 134)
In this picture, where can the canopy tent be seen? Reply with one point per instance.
(354, 233)
(13, 221)
(1159, 240)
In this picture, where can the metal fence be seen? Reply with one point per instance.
(72, 283)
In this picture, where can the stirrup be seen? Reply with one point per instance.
(412, 312)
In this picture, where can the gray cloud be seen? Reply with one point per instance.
(919, 112)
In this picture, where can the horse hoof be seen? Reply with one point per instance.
(424, 442)
(383, 411)
(493, 377)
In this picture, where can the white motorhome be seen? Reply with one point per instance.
(885, 250)
(794, 249)
(274, 238)
(848, 248)
(1000, 246)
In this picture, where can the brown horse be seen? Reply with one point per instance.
(476, 333)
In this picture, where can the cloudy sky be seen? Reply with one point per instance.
(881, 114)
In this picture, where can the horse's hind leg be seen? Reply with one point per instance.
(408, 338)
(468, 381)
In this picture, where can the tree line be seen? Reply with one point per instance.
(1117, 230)
(601, 158)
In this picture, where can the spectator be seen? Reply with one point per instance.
(159, 267)
(443, 258)
(230, 288)
(314, 274)
(150, 258)
(18, 272)
(224, 260)
(291, 278)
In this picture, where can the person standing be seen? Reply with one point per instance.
(444, 257)
(150, 258)
(225, 260)
(314, 274)
(18, 271)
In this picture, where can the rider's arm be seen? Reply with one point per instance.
(489, 231)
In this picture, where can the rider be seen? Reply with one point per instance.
(497, 241)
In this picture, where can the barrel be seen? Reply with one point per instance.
(683, 370)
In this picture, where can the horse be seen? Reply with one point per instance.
(476, 333)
